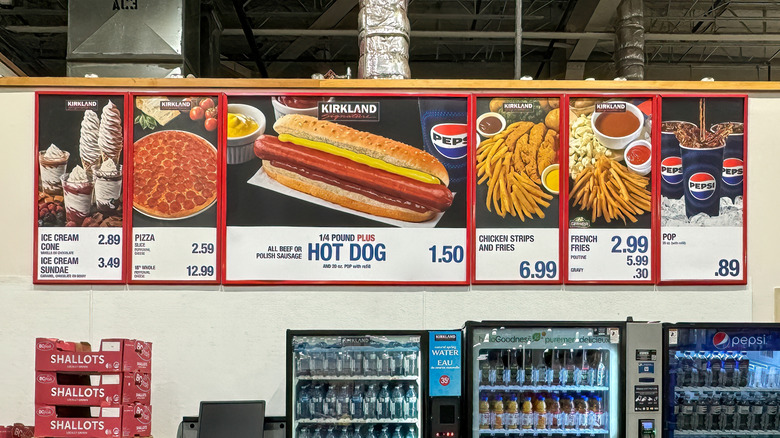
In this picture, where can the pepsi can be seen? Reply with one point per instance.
(671, 161)
(445, 133)
(733, 164)
(702, 168)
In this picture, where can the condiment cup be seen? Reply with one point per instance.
(644, 168)
(545, 172)
(618, 142)
(240, 149)
(491, 114)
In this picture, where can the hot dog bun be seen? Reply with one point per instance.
(372, 145)
(342, 197)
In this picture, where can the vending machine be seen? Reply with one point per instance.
(544, 379)
(722, 380)
(373, 384)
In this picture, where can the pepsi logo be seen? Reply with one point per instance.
(449, 139)
(44, 412)
(733, 169)
(720, 340)
(702, 185)
(45, 346)
(671, 170)
(45, 378)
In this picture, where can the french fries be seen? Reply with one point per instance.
(610, 190)
(509, 188)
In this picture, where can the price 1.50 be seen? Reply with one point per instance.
(448, 254)
(200, 271)
(728, 268)
(632, 244)
(541, 270)
(203, 248)
(110, 262)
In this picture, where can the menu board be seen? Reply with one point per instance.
(175, 188)
(703, 189)
(517, 214)
(609, 189)
(79, 156)
(346, 188)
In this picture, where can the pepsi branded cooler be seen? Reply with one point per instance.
(373, 384)
(551, 379)
(721, 380)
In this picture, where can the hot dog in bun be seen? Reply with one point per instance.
(355, 169)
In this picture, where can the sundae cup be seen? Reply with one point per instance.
(77, 187)
(52, 163)
(108, 187)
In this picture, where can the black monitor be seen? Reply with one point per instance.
(231, 419)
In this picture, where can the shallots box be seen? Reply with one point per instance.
(93, 422)
(115, 355)
(5, 432)
(114, 389)
(19, 430)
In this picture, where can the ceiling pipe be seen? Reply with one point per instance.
(630, 49)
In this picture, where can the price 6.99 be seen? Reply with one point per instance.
(541, 269)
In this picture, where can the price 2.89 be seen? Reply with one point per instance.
(541, 270)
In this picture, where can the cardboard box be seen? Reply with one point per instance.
(19, 430)
(136, 388)
(58, 389)
(5, 432)
(93, 421)
(115, 355)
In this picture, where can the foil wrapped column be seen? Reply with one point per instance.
(384, 40)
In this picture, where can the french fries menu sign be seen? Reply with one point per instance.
(517, 185)
(610, 203)
(346, 188)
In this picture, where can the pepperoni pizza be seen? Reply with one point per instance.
(174, 174)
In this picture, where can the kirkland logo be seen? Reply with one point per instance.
(611, 107)
(80, 105)
(450, 337)
(177, 105)
(348, 111)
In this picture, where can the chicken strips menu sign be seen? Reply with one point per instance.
(175, 188)
(79, 156)
(346, 188)
(517, 184)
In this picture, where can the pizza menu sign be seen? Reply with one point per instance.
(299, 188)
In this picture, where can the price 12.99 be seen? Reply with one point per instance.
(541, 270)
(200, 271)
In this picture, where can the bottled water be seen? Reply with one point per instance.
(370, 363)
(410, 403)
(356, 432)
(371, 432)
(356, 363)
(397, 432)
(397, 403)
(396, 359)
(316, 396)
(356, 405)
(411, 360)
(302, 407)
(329, 404)
(493, 371)
(343, 400)
(302, 360)
(317, 363)
(383, 403)
(303, 432)
(601, 371)
(411, 432)
(384, 433)
(385, 365)
(331, 433)
(318, 433)
(369, 402)
(342, 362)
(331, 361)
(344, 433)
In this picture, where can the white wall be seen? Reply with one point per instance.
(228, 343)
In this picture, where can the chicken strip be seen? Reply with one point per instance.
(530, 150)
(548, 151)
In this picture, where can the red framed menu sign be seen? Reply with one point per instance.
(176, 168)
(347, 188)
(517, 165)
(609, 189)
(703, 178)
(79, 165)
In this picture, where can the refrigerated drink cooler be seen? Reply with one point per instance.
(722, 380)
(544, 378)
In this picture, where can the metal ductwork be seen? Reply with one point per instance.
(630, 53)
(140, 39)
(383, 35)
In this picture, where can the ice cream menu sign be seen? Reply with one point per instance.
(517, 185)
(175, 188)
(346, 188)
(79, 168)
(703, 189)
(609, 192)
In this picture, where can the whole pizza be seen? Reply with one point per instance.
(174, 174)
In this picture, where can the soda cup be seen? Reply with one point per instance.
(733, 164)
(671, 161)
(702, 168)
(444, 132)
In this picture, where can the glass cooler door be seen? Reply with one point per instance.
(545, 381)
(357, 386)
(722, 381)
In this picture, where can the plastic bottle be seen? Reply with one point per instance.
(731, 368)
(484, 369)
(318, 432)
(601, 371)
(596, 414)
(581, 406)
(512, 415)
(355, 432)
(371, 433)
(344, 432)
(410, 403)
(331, 433)
(716, 369)
(411, 432)
(540, 369)
(397, 431)
(329, 403)
(498, 412)
(703, 365)
(384, 433)
(331, 360)
(356, 363)
(303, 432)
(528, 368)
(528, 414)
(493, 370)
(515, 376)
(396, 360)
(410, 360)
(728, 412)
(553, 412)
(585, 373)
(397, 403)
(687, 411)
(506, 371)
(566, 373)
(315, 398)
(556, 368)
(744, 369)
(385, 365)
(693, 370)
(568, 414)
(302, 360)
(756, 412)
(743, 413)
(500, 368)
(303, 405)
(702, 410)
(383, 403)
(540, 412)
(356, 403)
(343, 400)
(713, 414)
(317, 356)
(770, 413)
(369, 402)
(370, 363)
(484, 411)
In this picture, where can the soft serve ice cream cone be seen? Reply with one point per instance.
(110, 139)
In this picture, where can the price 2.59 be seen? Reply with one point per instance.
(541, 270)
(200, 271)
(203, 248)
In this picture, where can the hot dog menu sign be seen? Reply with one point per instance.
(330, 189)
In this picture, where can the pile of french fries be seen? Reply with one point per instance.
(610, 190)
(510, 190)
